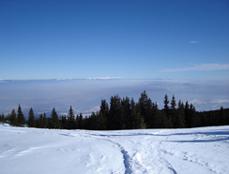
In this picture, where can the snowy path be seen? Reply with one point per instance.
(199, 150)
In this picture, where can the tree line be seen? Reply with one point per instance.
(124, 113)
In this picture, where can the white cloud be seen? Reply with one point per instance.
(200, 67)
(212, 101)
(103, 78)
(193, 42)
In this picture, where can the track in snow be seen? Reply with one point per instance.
(127, 160)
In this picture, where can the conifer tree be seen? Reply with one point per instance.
(180, 116)
(166, 110)
(145, 109)
(173, 113)
(2, 118)
(42, 121)
(79, 121)
(173, 103)
(103, 115)
(31, 119)
(71, 122)
(188, 118)
(166, 103)
(13, 118)
(54, 119)
(153, 122)
(137, 121)
(20, 116)
(115, 115)
(64, 122)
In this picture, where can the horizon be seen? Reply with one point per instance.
(85, 95)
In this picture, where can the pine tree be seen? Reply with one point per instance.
(31, 119)
(145, 109)
(42, 121)
(188, 119)
(20, 117)
(13, 118)
(166, 103)
(103, 115)
(137, 121)
(153, 123)
(166, 110)
(2, 118)
(173, 113)
(71, 122)
(173, 103)
(192, 116)
(54, 119)
(115, 115)
(64, 122)
(180, 116)
(79, 121)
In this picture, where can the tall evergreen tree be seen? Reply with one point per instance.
(2, 118)
(145, 109)
(115, 115)
(13, 118)
(180, 116)
(31, 119)
(137, 121)
(166, 103)
(71, 119)
(173, 103)
(43, 121)
(126, 113)
(103, 115)
(154, 123)
(166, 110)
(55, 123)
(173, 113)
(188, 119)
(79, 121)
(20, 116)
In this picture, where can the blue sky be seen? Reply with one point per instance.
(179, 39)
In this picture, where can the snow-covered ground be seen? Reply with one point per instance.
(43, 151)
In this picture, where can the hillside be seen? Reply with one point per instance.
(30, 150)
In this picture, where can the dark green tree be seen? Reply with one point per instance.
(103, 115)
(173, 103)
(173, 113)
(55, 123)
(180, 116)
(166, 104)
(42, 121)
(79, 121)
(189, 111)
(137, 121)
(145, 109)
(71, 121)
(2, 118)
(126, 113)
(31, 119)
(166, 110)
(115, 120)
(20, 117)
(13, 118)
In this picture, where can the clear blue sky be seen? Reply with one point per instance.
(42, 39)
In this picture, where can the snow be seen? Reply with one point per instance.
(156, 151)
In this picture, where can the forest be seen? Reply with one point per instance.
(124, 113)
